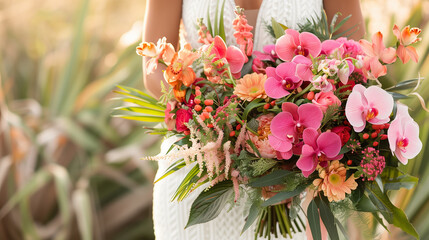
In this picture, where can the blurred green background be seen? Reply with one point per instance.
(70, 171)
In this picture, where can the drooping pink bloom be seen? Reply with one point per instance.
(287, 127)
(281, 80)
(371, 104)
(227, 55)
(269, 53)
(303, 67)
(243, 34)
(325, 99)
(258, 66)
(403, 135)
(294, 43)
(406, 37)
(376, 51)
(318, 148)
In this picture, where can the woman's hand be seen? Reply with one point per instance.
(346, 8)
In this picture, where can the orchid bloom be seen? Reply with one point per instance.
(231, 55)
(407, 37)
(281, 80)
(371, 104)
(318, 148)
(294, 43)
(376, 51)
(303, 67)
(269, 53)
(162, 50)
(179, 71)
(403, 135)
(287, 126)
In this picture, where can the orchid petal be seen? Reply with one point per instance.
(381, 100)
(415, 145)
(292, 108)
(354, 109)
(310, 42)
(310, 115)
(274, 88)
(310, 136)
(235, 58)
(279, 144)
(219, 47)
(282, 125)
(329, 143)
(286, 69)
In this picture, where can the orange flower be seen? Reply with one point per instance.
(251, 86)
(179, 71)
(333, 181)
(146, 49)
(179, 94)
(162, 50)
(407, 37)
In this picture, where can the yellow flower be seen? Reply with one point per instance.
(251, 86)
(333, 181)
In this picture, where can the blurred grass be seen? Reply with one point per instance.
(70, 171)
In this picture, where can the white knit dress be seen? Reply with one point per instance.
(169, 217)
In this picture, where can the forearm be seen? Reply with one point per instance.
(346, 8)
(162, 19)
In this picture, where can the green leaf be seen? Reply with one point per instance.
(187, 183)
(314, 220)
(209, 23)
(394, 179)
(173, 168)
(397, 96)
(209, 204)
(142, 103)
(132, 92)
(250, 106)
(254, 148)
(391, 213)
(328, 219)
(343, 230)
(408, 84)
(365, 205)
(280, 196)
(253, 125)
(273, 178)
(143, 110)
(252, 216)
(221, 23)
(277, 28)
(216, 23)
(142, 118)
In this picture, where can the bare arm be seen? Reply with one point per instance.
(162, 19)
(346, 8)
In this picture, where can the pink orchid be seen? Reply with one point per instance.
(281, 80)
(303, 67)
(332, 47)
(294, 43)
(403, 135)
(406, 37)
(376, 51)
(287, 126)
(231, 55)
(371, 104)
(269, 53)
(318, 148)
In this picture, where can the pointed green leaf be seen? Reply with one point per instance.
(173, 168)
(328, 219)
(277, 28)
(314, 220)
(254, 104)
(143, 103)
(221, 23)
(408, 84)
(252, 216)
(142, 118)
(280, 196)
(143, 110)
(273, 178)
(209, 204)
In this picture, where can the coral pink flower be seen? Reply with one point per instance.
(204, 35)
(318, 148)
(325, 99)
(231, 55)
(406, 37)
(334, 182)
(169, 117)
(287, 127)
(403, 135)
(261, 140)
(294, 43)
(162, 50)
(376, 51)
(371, 104)
(243, 34)
(281, 80)
(303, 67)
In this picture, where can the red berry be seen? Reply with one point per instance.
(202, 117)
(208, 102)
(187, 132)
(386, 126)
(206, 115)
(349, 162)
(375, 144)
(238, 127)
(208, 109)
(273, 103)
(232, 134)
(365, 136)
(375, 127)
(197, 100)
(198, 108)
(383, 137)
(210, 125)
(374, 135)
(198, 93)
(266, 106)
(310, 96)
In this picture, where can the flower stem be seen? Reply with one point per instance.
(303, 91)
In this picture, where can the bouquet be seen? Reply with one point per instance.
(304, 125)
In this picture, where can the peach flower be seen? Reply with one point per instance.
(333, 181)
(261, 140)
(251, 86)
(325, 99)
(407, 37)
(180, 71)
